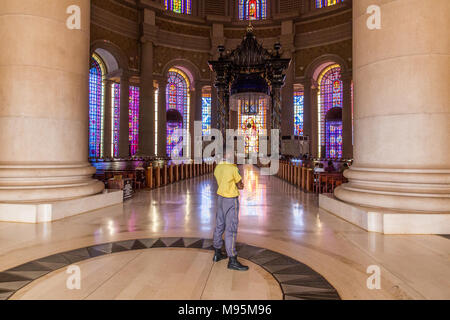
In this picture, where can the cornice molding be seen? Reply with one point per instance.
(112, 22)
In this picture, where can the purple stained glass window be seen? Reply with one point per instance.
(334, 139)
(177, 98)
(134, 119)
(330, 96)
(96, 107)
(252, 9)
(116, 119)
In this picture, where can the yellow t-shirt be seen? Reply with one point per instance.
(227, 175)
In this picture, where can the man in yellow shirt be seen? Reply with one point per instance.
(227, 218)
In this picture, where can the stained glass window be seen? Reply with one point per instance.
(326, 3)
(115, 90)
(353, 142)
(134, 118)
(96, 106)
(334, 139)
(252, 9)
(298, 113)
(329, 96)
(206, 111)
(177, 98)
(252, 125)
(178, 6)
(156, 119)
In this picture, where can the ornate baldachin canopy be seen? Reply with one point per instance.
(250, 65)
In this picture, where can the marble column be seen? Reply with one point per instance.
(197, 114)
(162, 121)
(192, 114)
(402, 108)
(44, 104)
(347, 143)
(307, 111)
(124, 134)
(214, 108)
(147, 107)
(314, 141)
(107, 121)
(287, 111)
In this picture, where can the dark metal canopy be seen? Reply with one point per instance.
(249, 68)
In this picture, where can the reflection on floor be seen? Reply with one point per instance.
(157, 274)
(274, 215)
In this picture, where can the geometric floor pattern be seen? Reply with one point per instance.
(297, 280)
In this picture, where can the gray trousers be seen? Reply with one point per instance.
(227, 220)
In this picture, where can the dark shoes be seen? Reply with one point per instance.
(234, 264)
(218, 255)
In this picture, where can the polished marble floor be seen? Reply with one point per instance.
(274, 215)
(157, 274)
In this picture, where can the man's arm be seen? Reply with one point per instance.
(238, 179)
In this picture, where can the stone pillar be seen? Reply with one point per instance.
(307, 111)
(402, 149)
(347, 147)
(44, 104)
(124, 135)
(287, 110)
(214, 108)
(162, 129)
(314, 142)
(147, 107)
(192, 114)
(107, 121)
(147, 99)
(197, 114)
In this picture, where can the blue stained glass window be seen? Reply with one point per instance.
(252, 9)
(206, 113)
(298, 113)
(96, 106)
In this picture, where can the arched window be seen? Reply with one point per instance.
(326, 3)
(178, 6)
(298, 111)
(252, 9)
(133, 119)
(330, 96)
(177, 106)
(96, 106)
(206, 111)
(115, 91)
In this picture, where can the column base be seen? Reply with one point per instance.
(387, 221)
(52, 211)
